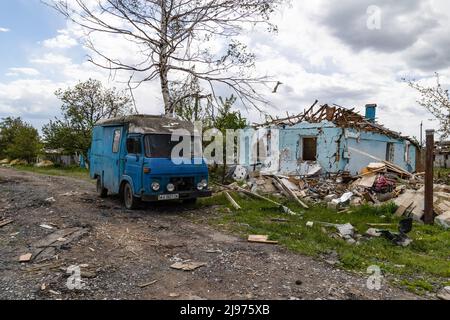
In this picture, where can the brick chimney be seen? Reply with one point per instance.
(371, 112)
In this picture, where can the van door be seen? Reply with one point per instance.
(111, 158)
(134, 162)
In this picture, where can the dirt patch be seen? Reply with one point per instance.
(128, 255)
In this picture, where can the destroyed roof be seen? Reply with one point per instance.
(145, 124)
(341, 117)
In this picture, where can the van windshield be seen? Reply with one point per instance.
(161, 145)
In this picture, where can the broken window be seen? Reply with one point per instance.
(407, 148)
(390, 152)
(309, 149)
(116, 140)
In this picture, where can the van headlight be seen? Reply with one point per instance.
(171, 187)
(202, 185)
(156, 186)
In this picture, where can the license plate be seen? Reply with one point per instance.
(169, 197)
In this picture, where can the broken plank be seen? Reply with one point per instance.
(148, 284)
(402, 209)
(260, 239)
(5, 222)
(290, 192)
(232, 201)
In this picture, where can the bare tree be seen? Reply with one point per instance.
(172, 36)
(436, 100)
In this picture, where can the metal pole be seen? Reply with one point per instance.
(429, 175)
(421, 134)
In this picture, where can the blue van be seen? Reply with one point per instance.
(131, 156)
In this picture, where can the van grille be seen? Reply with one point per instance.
(183, 184)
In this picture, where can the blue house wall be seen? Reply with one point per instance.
(338, 149)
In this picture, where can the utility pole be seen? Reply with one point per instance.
(421, 134)
(429, 176)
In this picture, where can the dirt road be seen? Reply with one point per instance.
(127, 255)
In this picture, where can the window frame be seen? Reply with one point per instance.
(139, 143)
(117, 134)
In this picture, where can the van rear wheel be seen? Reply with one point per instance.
(102, 192)
(130, 201)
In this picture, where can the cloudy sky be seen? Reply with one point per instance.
(345, 52)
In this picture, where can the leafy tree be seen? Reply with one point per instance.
(176, 42)
(437, 101)
(18, 140)
(82, 107)
(228, 119)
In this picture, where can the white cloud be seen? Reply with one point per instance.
(22, 71)
(61, 41)
(4, 29)
(311, 60)
(52, 59)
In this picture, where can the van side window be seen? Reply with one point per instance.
(134, 145)
(116, 141)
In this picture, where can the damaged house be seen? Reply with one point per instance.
(327, 139)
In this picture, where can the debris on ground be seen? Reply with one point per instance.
(145, 285)
(444, 294)
(47, 247)
(378, 183)
(260, 239)
(25, 257)
(187, 266)
(5, 222)
(18, 162)
(232, 201)
(401, 238)
(44, 164)
(443, 220)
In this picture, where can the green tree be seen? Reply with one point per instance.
(228, 119)
(18, 140)
(82, 107)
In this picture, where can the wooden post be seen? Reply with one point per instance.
(429, 177)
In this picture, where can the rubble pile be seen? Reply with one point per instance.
(378, 183)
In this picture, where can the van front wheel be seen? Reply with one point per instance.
(130, 201)
(102, 192)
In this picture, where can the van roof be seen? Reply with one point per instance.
(145, 124)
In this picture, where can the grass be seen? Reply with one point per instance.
(74, 172)
(423, 266)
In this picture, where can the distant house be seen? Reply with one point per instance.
(60, 157)
(329, 139)
(442, 155)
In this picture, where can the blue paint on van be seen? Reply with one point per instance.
(119, 156)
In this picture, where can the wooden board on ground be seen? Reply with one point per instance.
(261, 239)
(5, 222)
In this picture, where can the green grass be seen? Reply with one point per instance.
(74, 172)
(426, 258)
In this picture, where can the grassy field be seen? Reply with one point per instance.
(423, 266)
(75, 172)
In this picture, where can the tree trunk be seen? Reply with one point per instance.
(163, 61)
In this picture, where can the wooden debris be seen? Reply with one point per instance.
(148, 284)
(402, 209)
(232, 202)
(5, 222)
(187, 266)
(290, 192)
(260, 239)
(25, 257)
(255, 195)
